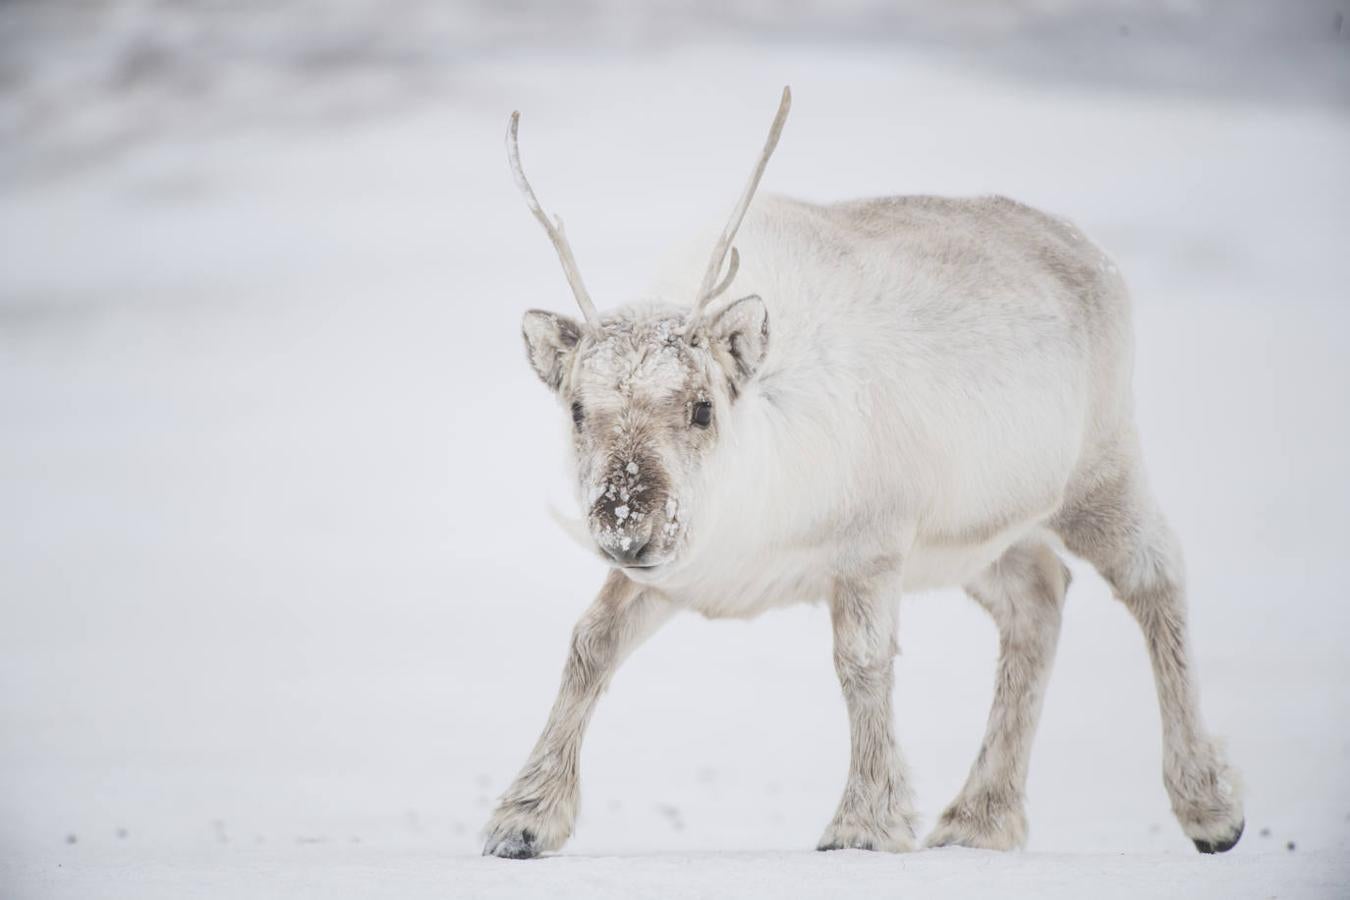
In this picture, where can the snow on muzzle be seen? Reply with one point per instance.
(632, 514)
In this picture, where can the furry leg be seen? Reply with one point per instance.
(1024, 592)
(876, 811)
(1119, 529)
(537, 812)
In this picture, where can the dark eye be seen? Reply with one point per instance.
(577, 414)
(702, 414)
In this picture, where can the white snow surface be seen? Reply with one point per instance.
(283, 609)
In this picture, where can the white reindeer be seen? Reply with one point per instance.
(906, 393)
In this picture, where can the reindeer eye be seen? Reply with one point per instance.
(702, 414)
(577, 414)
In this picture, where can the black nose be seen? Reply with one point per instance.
(634, 553)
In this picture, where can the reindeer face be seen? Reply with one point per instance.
(648, 391)
(646, 404)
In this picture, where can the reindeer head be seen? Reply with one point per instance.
(649, 390)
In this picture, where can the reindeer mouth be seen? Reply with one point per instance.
(643, 573)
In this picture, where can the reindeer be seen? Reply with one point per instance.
(902, 393)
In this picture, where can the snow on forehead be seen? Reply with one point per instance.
(651, 351)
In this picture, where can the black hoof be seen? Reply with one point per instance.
(1224, 845)
(834, 846)
(519, 846)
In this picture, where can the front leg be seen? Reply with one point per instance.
(876, 812)
(537, 812)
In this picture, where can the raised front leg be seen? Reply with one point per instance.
(876, 812)
(537, 812)
(1024, 592)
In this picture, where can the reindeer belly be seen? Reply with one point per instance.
(942, 564)
(763, 582)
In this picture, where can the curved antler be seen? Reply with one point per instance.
(732, 268)
(706, 291)
(554, 228)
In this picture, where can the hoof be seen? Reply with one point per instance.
(838, 845)
(897, 838)
(983, 822)
(512, 846)
(1224, 845)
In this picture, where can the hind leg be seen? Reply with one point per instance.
(1024, 592)
(1116, 526)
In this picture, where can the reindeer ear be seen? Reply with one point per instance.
(549, 342)
(739, 336)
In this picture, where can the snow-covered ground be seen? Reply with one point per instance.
(283, 609)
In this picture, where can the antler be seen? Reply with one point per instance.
(706, 291)
(732, 268)
(554, 228)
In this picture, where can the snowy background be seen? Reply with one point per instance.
(281, 606)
